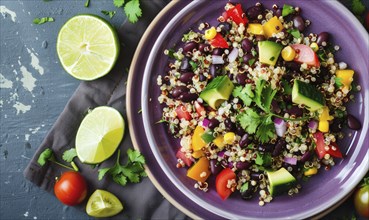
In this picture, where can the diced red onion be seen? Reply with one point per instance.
(205, 122)
(221, 154)
(216, 59)
(233, 55)
(230, 165)
(280, 126)
(290, 160)
(306, 156)
(313, 125)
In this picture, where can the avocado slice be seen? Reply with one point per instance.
(269, 52)
(307, 94)
(280, 181)
(217, 91)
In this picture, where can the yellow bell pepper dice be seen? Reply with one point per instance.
(324, 115)
(210, 33)
(198, 154)
(256, 29)
(323, 126)
(272, 26)
(200, 170)
(219, 142)
(229, 137)
(311, 171)
(345, 77)
(197, 142)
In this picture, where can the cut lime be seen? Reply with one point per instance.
(103, 204)
(87, 46)
(99, 135)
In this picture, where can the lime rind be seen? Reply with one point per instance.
(87, 46)
(99, 135)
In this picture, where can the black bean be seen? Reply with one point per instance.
(217, 51)
(179, 90)
(322, 37)
(244, 140)
(204, 47)
(215, 70)
(353, 123)
(255, 176)
(246, 45)
(275, 107)
(259, 37)
(336, 125)
(215, 168)
(278, 12)
(188, 97)
(242, 165)
(253, 12)
(213, 123)
(292, 66)
(295, 110)
(266, 147)
(247, 57)
(229, 125)
(240, 131)
(278, 148)
(299, 23)
(241, 79)
(225, 27)
(188, 47)
(185, 64)
(247, 194)
(186, 77)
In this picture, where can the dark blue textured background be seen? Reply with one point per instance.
(34, 89)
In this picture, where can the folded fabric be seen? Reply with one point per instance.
(142, 200)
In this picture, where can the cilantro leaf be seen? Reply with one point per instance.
(132, 171)
(69, 155)
(133, 10)
(295, 33)
(338, 82)
(244, 187)
(287, 9)
(45, 156)
(87, 3)
(264, 95)
(118, 3)
(43, 20)
(109, 13)
(249, 120)
(266, 130)
(357, 7)
(245, 93)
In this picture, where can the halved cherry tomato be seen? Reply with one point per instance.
(304, 54)
(221, 183)
(183, 113)
(320, 150)
(71, 188)
(199, 108)
(218, 41)
(181, 155)
(237, 14)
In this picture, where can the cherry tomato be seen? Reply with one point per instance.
(333, 148)
(181, 155)
(221, 183)
(304, 54)
(71, 188)
(237, 14)
(199, 108)
(361, 199)
(183, 113)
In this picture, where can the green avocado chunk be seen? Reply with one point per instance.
(307, 94)
(217, 91)
(280, 181)
(269, 52)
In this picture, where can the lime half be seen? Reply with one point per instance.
(99, 135)
(87, 46)
(103, 204)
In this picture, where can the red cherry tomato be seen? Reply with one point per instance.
(320, 149)
(183, 113)
(221, 183)
(71, 188)
(361, 199)
(304, 54)
(199, 108)
(181, 155)
(218, 41)
(237, 14)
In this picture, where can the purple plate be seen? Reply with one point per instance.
(318, 194)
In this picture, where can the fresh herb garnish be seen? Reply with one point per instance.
(244, 187)
(338, 82)
(109, 13)
(118, 3)
(87, 3)
(244, 93)
(251, 62)
(193, 65)
(131, 9)
(295, 33)
(357, 7)
(69, 155)
(132, 171)
(287, 9)
(43, 20)
(48, 155)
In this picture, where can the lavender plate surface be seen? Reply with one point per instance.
(319, 193)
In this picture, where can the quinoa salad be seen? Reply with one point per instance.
(257, 101)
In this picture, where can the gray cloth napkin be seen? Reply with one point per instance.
(142, 200)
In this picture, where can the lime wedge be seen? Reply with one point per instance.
(87, 46)
(99, 135)
(103, 204)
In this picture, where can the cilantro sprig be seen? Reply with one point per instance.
(43, 20)
(132, 171)
(48, 155)
(131, 8)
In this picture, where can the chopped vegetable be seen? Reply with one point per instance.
(43, 20)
